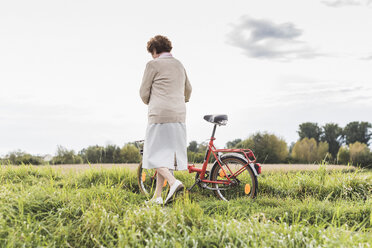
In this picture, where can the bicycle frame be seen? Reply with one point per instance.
(216, 153)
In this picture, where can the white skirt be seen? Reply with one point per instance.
(165, 146)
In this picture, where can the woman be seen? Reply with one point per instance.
(165, 88)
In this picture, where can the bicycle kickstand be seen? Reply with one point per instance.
(197, 181)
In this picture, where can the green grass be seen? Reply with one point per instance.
(43, 207)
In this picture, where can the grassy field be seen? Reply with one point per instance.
(266, 167)
(49, 207)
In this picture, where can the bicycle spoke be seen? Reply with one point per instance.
(147, 181)
(242, 180)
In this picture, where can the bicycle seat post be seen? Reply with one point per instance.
(216, 120)
(214, 131)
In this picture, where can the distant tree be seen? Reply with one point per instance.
(93, 154)
(118, 158)
(232, 144)
(110, 153)
(130, 154)
(196, 152)
(267, 147)
(193, 146)
(309, 130)
(332, 134)
(19, 157)
(357, 131)
(195, 157)
(65, 156)
(309, 151)
(12, 157)
(202, 147)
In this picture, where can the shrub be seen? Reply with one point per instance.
(357, 154)
(343, 155)
(266, 147)
(195, 157)
(357, 150)
(308, 151)
(19, 157)
(195, 152)
(322, 152)
(360, 154)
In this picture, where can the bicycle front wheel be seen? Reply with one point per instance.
(147, 180)
(243, 181)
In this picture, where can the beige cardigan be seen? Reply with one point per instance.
(165, 88)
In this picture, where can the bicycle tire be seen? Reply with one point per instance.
(146, 179)
(245, 184)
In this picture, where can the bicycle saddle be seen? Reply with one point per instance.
(216, 119)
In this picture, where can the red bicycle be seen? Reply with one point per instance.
(233, 174)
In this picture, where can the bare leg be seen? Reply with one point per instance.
(166, 175)
(159, 185)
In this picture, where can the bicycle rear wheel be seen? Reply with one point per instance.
(244, 185)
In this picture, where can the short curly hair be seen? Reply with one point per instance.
(160, 44)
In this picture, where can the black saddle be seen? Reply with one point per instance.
(216, 119)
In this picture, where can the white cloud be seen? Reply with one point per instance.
(342, 3)
(367, 57)
(266, 39)
(323, 94)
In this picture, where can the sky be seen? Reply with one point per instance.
(70, 71)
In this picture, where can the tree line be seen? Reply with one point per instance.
(129, 153)
(329, 142)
